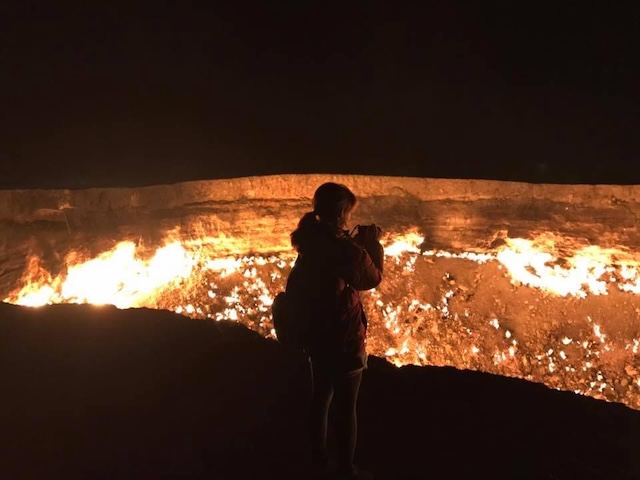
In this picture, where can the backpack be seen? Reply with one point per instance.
(291, 330)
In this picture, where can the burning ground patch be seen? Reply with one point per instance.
(526, 293)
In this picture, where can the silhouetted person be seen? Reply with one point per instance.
(323, 286)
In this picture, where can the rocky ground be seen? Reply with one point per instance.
(96, 392)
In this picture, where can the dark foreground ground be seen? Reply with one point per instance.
(100, 393)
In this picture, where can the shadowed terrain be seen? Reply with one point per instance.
(96, 392)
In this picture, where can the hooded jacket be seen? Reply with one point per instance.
(324, 286)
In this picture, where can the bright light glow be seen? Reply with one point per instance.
(117, 277)
(536, 263)
(407, 327)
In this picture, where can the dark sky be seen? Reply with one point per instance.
(110, 93)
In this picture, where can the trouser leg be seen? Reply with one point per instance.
(346, 423)
(319, 413)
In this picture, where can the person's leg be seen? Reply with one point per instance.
(319, 413)
(346, 423)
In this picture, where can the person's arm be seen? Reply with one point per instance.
(363, 270)
(376, 252)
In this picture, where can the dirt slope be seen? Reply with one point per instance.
(94, 392)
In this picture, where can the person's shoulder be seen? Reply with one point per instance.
(345, 240)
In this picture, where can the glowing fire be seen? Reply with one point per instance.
(189, 278)
(123, 278)
(117, 277)
(588, 270)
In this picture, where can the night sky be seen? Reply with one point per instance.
(114, 94)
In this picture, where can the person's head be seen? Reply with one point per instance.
(333, 204)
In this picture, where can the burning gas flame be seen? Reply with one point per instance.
(189, 278)
(588, 270)
(124, 278)
(117, 277)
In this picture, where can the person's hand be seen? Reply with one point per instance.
(368, 233)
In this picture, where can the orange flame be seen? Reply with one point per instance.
(117, 277)
(122, 278)
(590, 269)
(241, 288)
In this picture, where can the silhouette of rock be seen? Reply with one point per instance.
(97, 392)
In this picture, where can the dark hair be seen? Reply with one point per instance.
(331, 203)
